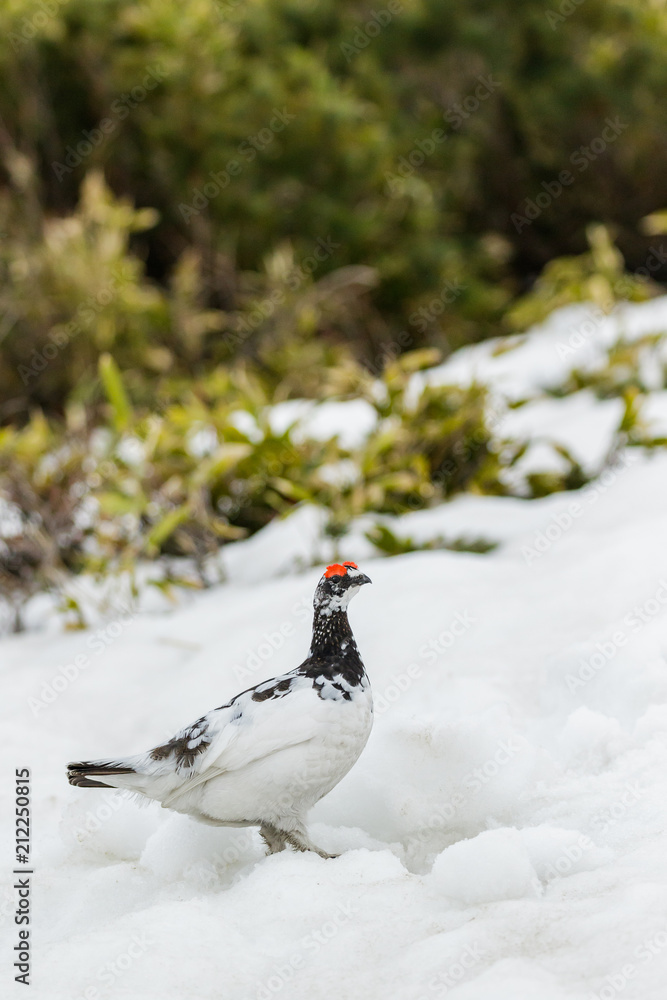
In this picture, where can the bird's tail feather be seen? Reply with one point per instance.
(84, 774)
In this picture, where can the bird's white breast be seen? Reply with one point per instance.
(288, 781)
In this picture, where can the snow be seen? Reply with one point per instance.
(284, 546)
(522, 369)
(490, 867)
(583, 424)
(502, 835)
(654, 414)
(350, 421)
(575, 336)
(10, 520)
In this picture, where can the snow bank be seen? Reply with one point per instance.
(492, 866)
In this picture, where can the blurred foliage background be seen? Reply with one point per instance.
(209, 206)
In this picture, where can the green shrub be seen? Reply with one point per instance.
(415, 151)
(384, 539)
(209, 469)
(597, 277)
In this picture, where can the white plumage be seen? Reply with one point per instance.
(271, 753)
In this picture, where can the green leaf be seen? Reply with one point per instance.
(112, 381)
(161, 531)
(224, 459)
(116, 504)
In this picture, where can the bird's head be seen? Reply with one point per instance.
(339, 583)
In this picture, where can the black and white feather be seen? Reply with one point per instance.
(267, 756)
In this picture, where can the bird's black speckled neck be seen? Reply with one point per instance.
(332, 634)
(333, 647)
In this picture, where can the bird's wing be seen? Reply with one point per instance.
(270, 717)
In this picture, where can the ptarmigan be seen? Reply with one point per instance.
(265, 758)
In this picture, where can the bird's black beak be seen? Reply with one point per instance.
(362, 579)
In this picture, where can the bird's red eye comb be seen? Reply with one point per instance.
(335, 570)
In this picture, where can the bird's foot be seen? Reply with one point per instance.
(277, 840)
(274, 839)
(300, 842)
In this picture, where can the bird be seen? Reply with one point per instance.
(268, 755)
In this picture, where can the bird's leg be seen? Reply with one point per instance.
(300, 842)
(274, 839)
